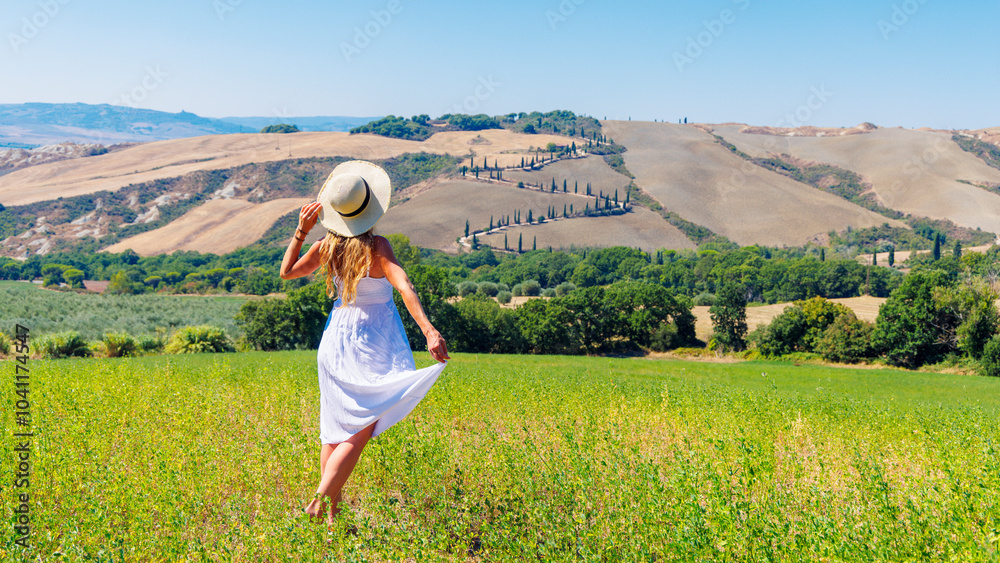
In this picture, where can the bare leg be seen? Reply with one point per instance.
(326, 450)
(337, 461)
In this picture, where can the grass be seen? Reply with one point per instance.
(515, 458)
(46, 311)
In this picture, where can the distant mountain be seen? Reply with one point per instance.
(318, 123)
(46, 124)
(35, 124)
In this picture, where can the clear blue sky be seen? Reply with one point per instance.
(910, 63)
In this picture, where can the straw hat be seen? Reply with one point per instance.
(354, 197)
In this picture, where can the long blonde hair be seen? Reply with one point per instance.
(348, 258)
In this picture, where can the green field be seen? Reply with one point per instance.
(46, 311)
(512, 458)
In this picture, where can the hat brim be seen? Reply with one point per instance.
(381, 190)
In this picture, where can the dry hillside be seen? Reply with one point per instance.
(641, 227)
(166, 159)
(217, 226)
(436, 217)
(575, 172)
(691, 174)
(911, 171)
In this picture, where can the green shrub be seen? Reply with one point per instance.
(196, 339)
(517, 290)
(704, 299)
(149, 344)
(504, 297)
(5, 343)
(61, 345)
(531, 288)
(548, 292)
(989, 364)
(489, 289)
(119, 344)
(799, 327)
(564, 289)
(467, 288)
(664, 338)
(847, 340)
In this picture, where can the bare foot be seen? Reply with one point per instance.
(315, 509)
(334, 509)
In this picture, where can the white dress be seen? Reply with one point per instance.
(366, 369)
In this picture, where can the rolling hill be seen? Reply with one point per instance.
(915, 172)
(166, 159)
(688, 172)
(219, 192)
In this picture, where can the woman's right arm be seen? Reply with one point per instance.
(292, 266)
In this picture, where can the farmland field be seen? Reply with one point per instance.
(513, 458)
(644, 229)
(45, 311)
(436, 217)
(166, 159)
(911, 171)
(689, 173)
(576, 172)
(217, 226)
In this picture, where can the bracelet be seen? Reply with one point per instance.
(299, 239)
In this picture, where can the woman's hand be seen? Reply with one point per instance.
(308, 217)
(436, 346)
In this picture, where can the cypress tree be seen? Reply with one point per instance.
(553, 185)
(522, 162)
(534, 243)
(588, 188)
(571, 208)
(822, 255)
(564, 210)
(529, 216)
(491, 222)
(519, 248)
(874, 258)
(892, 256)
(576, 186)
(957, 250)
(564, 186)
(616, 196)
(466, 227)
(937, 246)
(505, 241)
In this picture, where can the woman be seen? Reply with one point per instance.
(367, 377)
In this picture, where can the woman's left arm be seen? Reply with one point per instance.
(399, 280)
